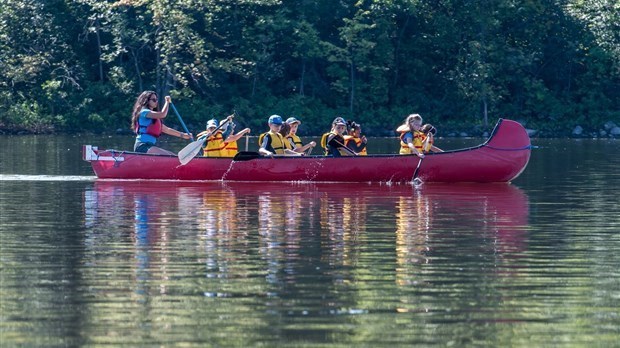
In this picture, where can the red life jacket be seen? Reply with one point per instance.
(154, 128)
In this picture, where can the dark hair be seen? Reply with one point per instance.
(285, 129)
(352, 125)
(428, 128)
(142, 102)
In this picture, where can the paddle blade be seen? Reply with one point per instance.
(246, 156)
(190, 151)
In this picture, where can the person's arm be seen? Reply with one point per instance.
(175, 133)
(364, 142)
(431, 138)
(230, 128)
(237, 136)
(164, 111)
(304, 148)
(263, 147)
(351, 144)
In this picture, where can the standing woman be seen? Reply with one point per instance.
(146, 121)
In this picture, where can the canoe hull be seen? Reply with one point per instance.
(501, 159)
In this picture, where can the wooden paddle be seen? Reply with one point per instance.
(190, 151)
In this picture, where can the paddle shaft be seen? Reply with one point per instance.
(181, 120)
(346, 148)
(415, 173)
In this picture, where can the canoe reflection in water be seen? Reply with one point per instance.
(459, 222)
(298, 227)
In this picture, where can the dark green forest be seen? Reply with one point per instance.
(77, 66)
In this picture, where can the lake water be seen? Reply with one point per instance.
(96, 263)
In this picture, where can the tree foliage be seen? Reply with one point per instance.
(78, 65)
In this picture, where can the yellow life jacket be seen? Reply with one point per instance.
(418, 139)
(277, 142)
(230, 149)
(260, 138)
(296, 140)
(215, 144)
(287, 144)
(324, 141)
(358, 143)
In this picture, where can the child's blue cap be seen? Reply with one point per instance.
(275, 119)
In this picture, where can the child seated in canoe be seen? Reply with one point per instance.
(354, 140)
(411, 136)
(221, 143)
(231, 148)
(272, 142)
(334, 140)
(284, 132)
(293, 139)
(215, 139)
(429, 134)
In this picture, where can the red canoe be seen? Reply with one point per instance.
(500, 159)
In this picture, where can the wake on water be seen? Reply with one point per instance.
(20, 177)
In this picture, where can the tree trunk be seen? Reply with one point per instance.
(158, 78)
(137, 67)
(397, 51)
(303, 76)
(99, 50)
(485, 111)
(352, 95)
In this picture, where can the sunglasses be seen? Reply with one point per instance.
(153, 99)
